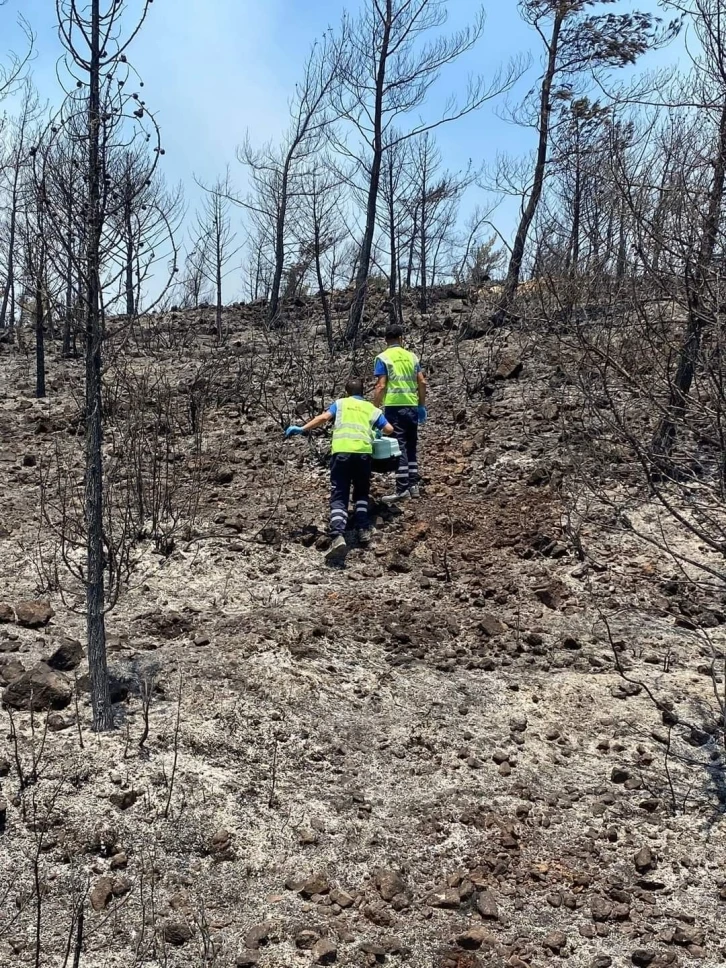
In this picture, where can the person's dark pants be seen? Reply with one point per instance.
(346, 471)
(404, 421)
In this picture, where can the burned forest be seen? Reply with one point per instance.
(477, 718)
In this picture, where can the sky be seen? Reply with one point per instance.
(214, 69)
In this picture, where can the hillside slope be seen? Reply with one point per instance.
(428, 757)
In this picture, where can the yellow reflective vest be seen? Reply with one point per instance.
(402, 381)
(353, 429)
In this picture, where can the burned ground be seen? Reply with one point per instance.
(446, 754)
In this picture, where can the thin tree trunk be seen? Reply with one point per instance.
(423, 301)
(361, 284)
(274, 306)
(11, 259)
(130, 297)
(95, 579)
(39, 336)
(324, 301)
(219, 294)
(393, 275)
(700, 317)
(517, 257)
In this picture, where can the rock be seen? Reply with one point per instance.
(3, 814)
(11, 671)
(119, 861)
(9, 644)
(486, 905)
(259, 935)
(317, 884)
(125, 799)
(33, 615)
(324, 952)
(177, 933)
(642, 957)
(602, 961)
(445, 898)
(341, 898)
(247, 959)
(644, 860)
(101, 893)
(225, 475)
(476, 938)
(601, 909)
(57, 722)
(619, 774)
(39, 688)
(7, 615)
(306, 939)
(491, 626)
(4, 766)
(389, 884)
(509, 368)
(67, 656)
(555, 941)
(550, 595)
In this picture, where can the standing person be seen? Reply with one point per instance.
(356, 422)
(401, 390)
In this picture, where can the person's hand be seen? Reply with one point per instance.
(423, 415)
(294, 431)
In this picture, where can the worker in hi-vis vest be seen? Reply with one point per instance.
(401, 391)
(356, 423)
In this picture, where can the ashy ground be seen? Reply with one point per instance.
(429, 757)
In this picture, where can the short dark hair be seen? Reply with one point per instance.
(354, 387)
(394, 333)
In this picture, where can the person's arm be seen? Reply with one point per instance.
(383, 425)
(421, 380)
(379, 391)
(319, 421)
(380, 372)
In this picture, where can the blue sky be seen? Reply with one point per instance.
(215, 68)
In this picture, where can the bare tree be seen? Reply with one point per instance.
(386, 68)
(96, 39)
(216, 240)
(577, 44)
(276, 172)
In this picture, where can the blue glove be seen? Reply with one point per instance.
(294, 431)
(423, 415)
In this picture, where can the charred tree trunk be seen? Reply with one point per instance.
(530, 209)
(129, 267)
(393, 272)
(274, 307)
(95, 578)
(700, 316)
(39, 334)
(364, 263)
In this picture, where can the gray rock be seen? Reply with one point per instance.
(33, 615)
(40, 688)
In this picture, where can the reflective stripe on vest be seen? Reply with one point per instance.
(402, 382)
(353, 430)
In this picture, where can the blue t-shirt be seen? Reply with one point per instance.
(379, 424)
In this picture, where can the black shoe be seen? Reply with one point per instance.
(338, 549)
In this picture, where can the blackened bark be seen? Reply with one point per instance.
(95, 579)
(700, 316)
(517, 257)
(364, 263)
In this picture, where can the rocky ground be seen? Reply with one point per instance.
(470, 746)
